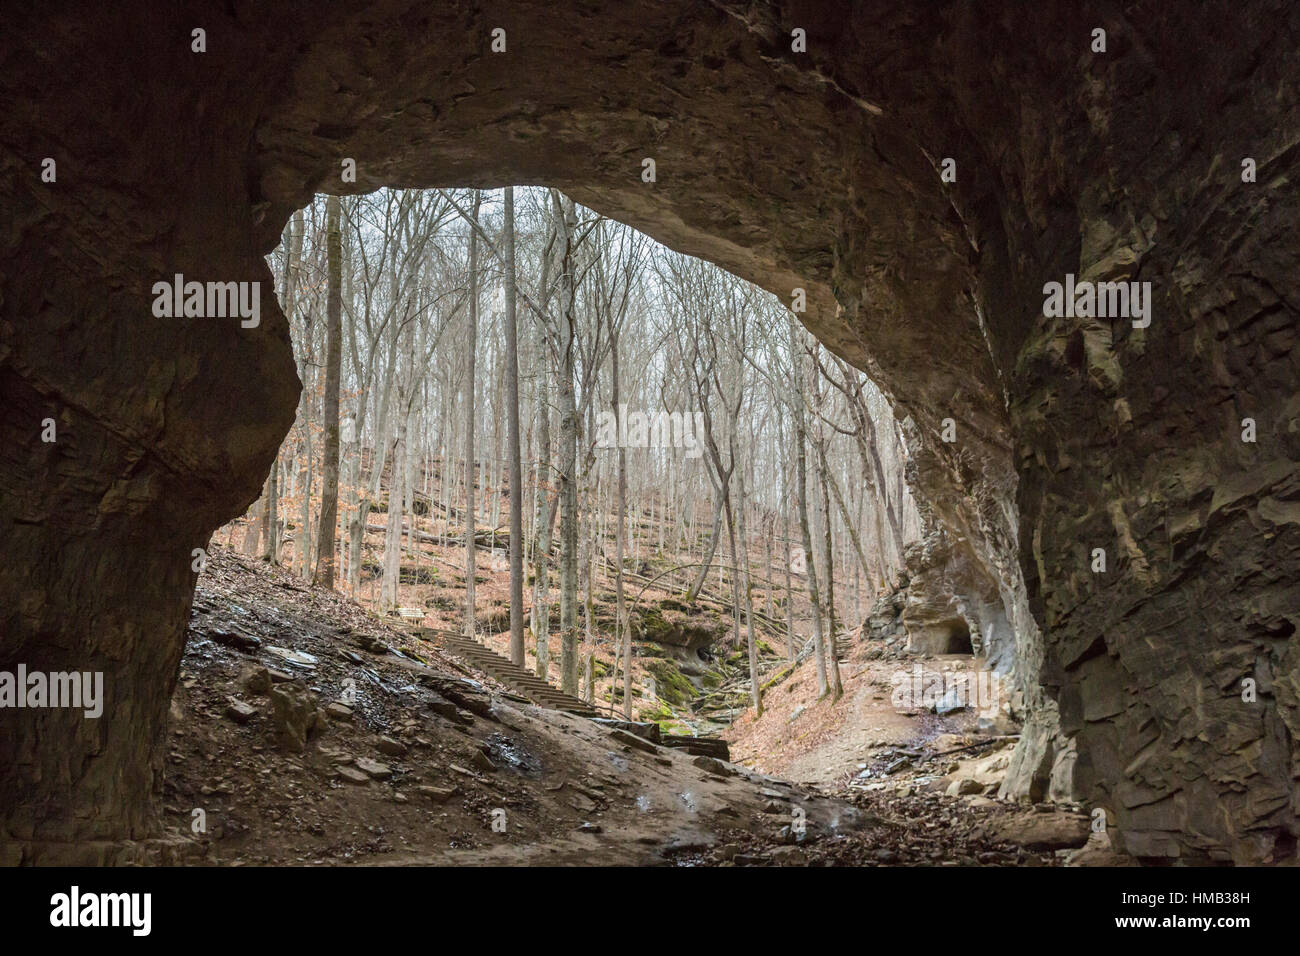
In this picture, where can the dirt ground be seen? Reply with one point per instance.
(812, 738)
(306, 731)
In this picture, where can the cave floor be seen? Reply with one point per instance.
(305, 731)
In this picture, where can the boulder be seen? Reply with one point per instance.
(374, 769)
(295, 716)
(239, 711)
(1058, 830)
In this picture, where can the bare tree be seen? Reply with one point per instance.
(566, 226)
(512, 440)
(447, 438)
(828, 551)
(471, 385)
(333, 362)
(801, 493)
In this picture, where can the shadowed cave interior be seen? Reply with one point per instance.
(815, 170)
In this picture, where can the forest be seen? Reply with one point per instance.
(595, 412)
(673, 434)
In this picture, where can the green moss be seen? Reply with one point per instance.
(658, 712)
(674, 728)
(780, 675)
(670, 684)
(652, 625)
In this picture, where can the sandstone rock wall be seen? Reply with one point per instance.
(816, 170)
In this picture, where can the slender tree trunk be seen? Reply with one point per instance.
(849, 523)
(393, 531)
(377, 460)
(768, 529)
(541, 615)
(837, 688)
(785, 538)
(621, 630)
(271, 549)
(304, 536)
(408, 480)
(801, 487)
(333, 364)
(568, 525)
(756, 690)
(472, 335)
(567, 222)
(711, 549)
(512, 441)
(254, 530)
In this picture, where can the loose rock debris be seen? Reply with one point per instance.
(362, 744)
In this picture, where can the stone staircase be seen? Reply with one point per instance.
(518, 679)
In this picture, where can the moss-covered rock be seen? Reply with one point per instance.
(656, 711)
(670, 684)
(650, 624)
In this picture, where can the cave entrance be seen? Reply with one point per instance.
(696, 124)
(655, 335)
(958, 640)
(814, 167)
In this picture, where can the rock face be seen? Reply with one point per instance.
(818, 170)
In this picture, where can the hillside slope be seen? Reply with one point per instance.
(305, 731)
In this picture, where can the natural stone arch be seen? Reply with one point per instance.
(818, 170)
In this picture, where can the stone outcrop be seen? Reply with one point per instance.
(816, 170)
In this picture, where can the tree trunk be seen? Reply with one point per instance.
(541, 615)
(622, 633)
(333, 362)
(756, 691)
(785, 538)
(821, 441)
(702, 575)
(254, 530)
(566, 221)
(837, 688)
(472, 336)
(801, 487)
(271, 545)
(512, 441)
(388, 597)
